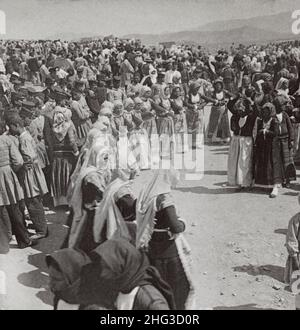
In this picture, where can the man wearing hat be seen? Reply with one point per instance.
(31, 176)
(27, 112)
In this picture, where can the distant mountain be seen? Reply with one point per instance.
(73, 36)
(257, 29)
(245, 34)
(279, 22)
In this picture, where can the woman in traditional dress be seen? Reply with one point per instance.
(148, 114)
(263, 150)
(240, 156)
(282, 88)
(118, 122)
(125, 158)
(158, 232)
(81, 116)
(180, 124)
(283, 163)
(94, 176)
(101, 131)
(65, 151)
(195, 103)
(165, 123)
(149, 124)
(218, 127)
(143, 152)
(137, 136)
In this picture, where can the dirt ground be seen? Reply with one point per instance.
(237, 241)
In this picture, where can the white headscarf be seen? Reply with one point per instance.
(96, 160)
(159, 184)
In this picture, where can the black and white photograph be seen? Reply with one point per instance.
(149, 156)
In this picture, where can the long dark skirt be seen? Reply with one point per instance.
(263, 162)
(62, 169)
(172, 272)
(87, 242)
(283, 163)
(218, 123)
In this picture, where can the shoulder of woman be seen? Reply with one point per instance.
(163, 201)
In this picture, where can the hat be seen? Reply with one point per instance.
(101, 77)
(17, 82)
(218, 81)
(161, 73)
(79, 83)
(271, 107)
(53, 69)
(49, 81)
(92, 82)
(15, 74)
(60, 94)
(36, 89)
(27, 108)
(28, 104)
(107, 79)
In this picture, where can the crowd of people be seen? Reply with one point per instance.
(80, 120)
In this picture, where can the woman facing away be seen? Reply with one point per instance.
(81, 116)
(159, 233)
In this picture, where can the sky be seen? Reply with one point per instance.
(48, 18)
